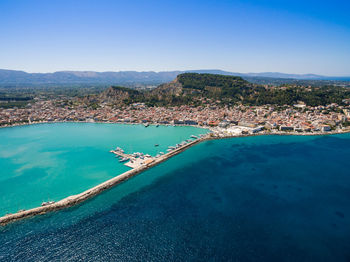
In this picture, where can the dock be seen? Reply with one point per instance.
(119, 153)
(136, 160)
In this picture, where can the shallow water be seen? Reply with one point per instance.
(266, 198)
(52, 161)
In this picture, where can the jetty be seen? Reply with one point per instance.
(120, 153)
(135, 159)
(137, 164)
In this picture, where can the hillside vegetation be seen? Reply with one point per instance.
(196, 89)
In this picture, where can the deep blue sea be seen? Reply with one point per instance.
(265, 198)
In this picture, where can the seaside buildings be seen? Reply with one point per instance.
(288, 118)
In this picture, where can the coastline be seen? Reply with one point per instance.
(286, 134)
(95, 122)
(89, 193)
(334, 132)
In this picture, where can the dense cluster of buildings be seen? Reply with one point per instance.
(299, 118)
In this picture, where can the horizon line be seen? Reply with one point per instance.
(164, 71)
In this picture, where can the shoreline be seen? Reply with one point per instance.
(97, 122)
(294, 133)
(89, 193)
(286, 134)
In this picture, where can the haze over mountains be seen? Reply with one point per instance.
(14, 77)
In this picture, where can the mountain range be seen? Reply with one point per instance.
(20, 78)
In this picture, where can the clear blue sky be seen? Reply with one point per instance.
(291, 36)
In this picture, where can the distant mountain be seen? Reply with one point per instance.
(297, 76)
(283, 75)
(84, 77)
(21, 78)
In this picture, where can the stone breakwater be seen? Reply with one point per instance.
(79, 198)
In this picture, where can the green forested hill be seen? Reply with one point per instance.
(196, 89)
(191, 87)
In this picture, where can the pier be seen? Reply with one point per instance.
(70, 201)
(136, 160)
(120, 153)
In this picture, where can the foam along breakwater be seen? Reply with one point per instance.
(79, 198)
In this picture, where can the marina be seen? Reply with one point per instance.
(49, 162)
(137, 161)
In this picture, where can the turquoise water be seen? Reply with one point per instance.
(52, 161)
(266, 198)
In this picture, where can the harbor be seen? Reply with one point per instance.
(137, 159)
(138, 163)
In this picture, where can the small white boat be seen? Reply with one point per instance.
(124, 159)
(47, 203)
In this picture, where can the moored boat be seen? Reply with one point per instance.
(47, 203)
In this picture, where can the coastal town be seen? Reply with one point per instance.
(174, 131)
(223, 120)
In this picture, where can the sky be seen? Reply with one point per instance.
(290, 36)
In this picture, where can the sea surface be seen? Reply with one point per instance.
(263, 198)
(52, 161)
